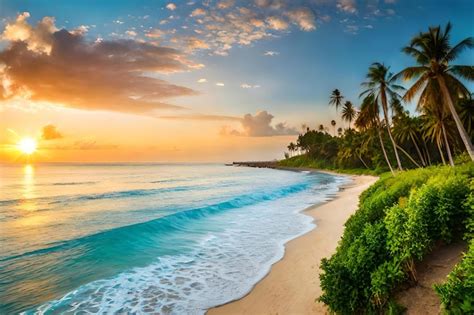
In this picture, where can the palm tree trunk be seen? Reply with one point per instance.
(363, 162)
(383, 150)
(428, 157)
(438, 143)
(448, 149)
(387, 122)
(418, 150)
(409, 156)
(464, 135)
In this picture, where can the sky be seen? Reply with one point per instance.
(193, 81)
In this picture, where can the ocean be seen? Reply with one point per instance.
(144, 238)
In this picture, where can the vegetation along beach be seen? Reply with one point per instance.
(237, 157)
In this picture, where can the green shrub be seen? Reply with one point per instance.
(383, 280)
(398, 221)
(457, 294)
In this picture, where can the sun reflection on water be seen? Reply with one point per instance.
(28, 193)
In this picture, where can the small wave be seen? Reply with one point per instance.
(72, 183)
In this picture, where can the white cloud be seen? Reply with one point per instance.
(348, 6)
(202, 80)
(171, 6)
(220, 84)
(131, 33)
(249, 86)
(271, 53)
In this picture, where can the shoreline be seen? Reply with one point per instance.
(292, 284)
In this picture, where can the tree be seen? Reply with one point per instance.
(435, 119)
(339, 131)
(348, 112)
(336, 99)
(369, 118)
(381, 84)
(321, 128)
(333, 124)
(435, 76)
(466, 112)
(407, 128)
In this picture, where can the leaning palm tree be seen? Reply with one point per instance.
(336, 99)
(466, 112)
(333, 124)
(381, 84)
(369, 118)
(407, 128)
(435, 121)
(433, 53)
(348, 112)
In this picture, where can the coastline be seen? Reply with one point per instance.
(292, 285)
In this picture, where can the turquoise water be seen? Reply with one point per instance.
(142, 238)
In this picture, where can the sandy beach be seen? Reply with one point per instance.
(292, 285)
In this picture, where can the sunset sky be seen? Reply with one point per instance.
(192, 80)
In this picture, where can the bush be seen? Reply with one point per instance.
(399, 219)
(457, 294)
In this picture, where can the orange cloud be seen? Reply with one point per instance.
(62, 67)
(50, 132)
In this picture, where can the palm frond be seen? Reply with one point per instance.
(465, 72)
(415, 88)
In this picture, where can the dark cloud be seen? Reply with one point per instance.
(260, 125)
(50, 132)
(62, 67)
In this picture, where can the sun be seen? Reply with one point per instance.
(27, 146)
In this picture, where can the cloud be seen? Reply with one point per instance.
(271, 53)
(198, 12)
(202, 80)
(193, 43)
(259, 125)
(276, 23)
(131, 33)
(249, 86)
(220, 84)
(348, 6)
(225, 4)
(202, 117)
(61, 67)
(171, 6)
(85, 145)
(50, 132)
(37, 38)
(303, 17)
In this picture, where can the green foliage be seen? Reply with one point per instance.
(457, 294)
(399, 219)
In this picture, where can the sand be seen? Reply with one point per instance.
(292, 285)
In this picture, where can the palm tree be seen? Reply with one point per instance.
(433, 53)
(368, 119)
(435, 120)
(333, 124)
(336, 98)
(321, 128)
(466, 112)
(381, 84)
(408, 129)
(348, 112)
(339, 131)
